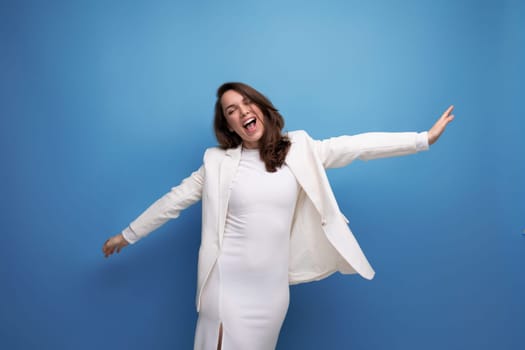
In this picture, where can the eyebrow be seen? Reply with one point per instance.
(234, 104)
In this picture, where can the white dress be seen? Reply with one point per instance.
(248, 290)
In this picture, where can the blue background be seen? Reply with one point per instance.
(106, 105)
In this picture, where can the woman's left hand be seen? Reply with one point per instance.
(435, 132)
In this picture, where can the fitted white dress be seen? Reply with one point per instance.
(248, 290)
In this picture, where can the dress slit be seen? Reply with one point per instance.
(219, 340)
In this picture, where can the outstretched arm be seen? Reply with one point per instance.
(340, 151)
(167, 207)
(435, 132)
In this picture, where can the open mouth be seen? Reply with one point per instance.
(250, 124)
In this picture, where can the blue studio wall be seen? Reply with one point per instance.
(105, 105)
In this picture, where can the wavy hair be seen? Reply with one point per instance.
(273, 145)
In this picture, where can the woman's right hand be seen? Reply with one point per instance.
(116, 242)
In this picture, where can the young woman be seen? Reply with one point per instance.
(269, 216)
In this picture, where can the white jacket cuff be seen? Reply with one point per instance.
(129, 235)
(422, 141)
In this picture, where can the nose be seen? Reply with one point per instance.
(244, 109)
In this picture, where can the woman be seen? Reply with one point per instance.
(269, 216)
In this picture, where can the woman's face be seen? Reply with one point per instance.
(244, 118)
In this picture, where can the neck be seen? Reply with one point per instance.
(250, 146)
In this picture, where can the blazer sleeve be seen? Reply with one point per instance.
(167, 207)
(340, 151)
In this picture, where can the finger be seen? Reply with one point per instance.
(448, 111)
(447, 120)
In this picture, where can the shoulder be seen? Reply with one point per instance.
(298, 135)
(213, 153)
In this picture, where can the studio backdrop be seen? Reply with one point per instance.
(106, 105)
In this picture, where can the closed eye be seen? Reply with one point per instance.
(231, 110)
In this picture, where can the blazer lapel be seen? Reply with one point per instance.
(227, 172)
(301, 162)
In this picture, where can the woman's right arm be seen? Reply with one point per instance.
(165, 208)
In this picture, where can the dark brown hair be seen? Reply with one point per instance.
(273, 145)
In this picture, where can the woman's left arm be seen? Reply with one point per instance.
(435, 132)
(342, 150)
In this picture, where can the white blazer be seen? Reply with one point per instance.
(321, 242)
